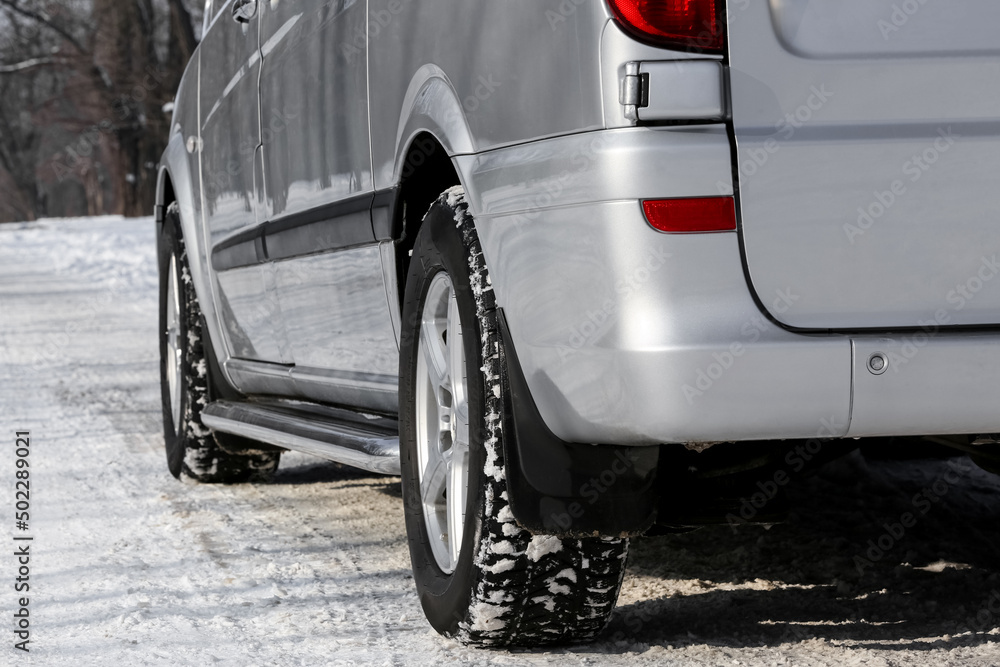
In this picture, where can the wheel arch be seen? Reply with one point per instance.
(177, 183)
(426, 170)
(164, 194)
(432, 105)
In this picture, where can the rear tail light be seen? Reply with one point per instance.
(691, 216)
(685, 24)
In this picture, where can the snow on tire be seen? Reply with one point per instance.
(187, 383)
(503, 586)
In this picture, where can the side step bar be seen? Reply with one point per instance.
(368, 442)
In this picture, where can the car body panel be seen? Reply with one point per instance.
(868, 177)
(936, 382)
(326, 264)
(230, 137)
(338, 306)
(641, 337)
(621, 164)
(230, 126)
(252, 314)
(510, 88)
(878, 28)
(307, 81)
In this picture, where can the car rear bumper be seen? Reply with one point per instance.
(626, 335)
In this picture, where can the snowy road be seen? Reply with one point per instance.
(130, 567)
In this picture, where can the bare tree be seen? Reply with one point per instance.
(83, 84)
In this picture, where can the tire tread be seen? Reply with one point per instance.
(204, 460)
(530, 590)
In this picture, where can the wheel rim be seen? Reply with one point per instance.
(442, 411)
(174, 351)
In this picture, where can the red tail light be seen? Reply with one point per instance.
(689, 216)
(684, 24)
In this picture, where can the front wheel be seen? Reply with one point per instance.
(190, 378)
(481, 577)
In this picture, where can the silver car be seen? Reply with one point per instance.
(578, 270)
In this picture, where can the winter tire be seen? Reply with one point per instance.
(481, 578)
(190, 379)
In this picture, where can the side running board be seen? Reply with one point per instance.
(369, 442)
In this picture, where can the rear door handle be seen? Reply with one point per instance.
(244, 10)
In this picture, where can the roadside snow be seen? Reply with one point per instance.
(131, 567)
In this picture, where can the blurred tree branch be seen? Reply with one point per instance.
(26, 65)
(40, 17)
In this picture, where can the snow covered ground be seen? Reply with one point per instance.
(131, 567)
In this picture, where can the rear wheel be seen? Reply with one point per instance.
(190, 379)
(481, 578)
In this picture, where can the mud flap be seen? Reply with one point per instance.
(571, 489)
